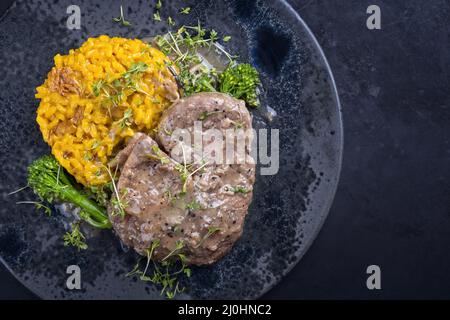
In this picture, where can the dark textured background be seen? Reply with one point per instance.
(392, 207)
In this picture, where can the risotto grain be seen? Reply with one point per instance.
(98, 96)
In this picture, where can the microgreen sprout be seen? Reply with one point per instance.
(182, 46)
(121, 19)
(186, 10)
(211, 231)
(184, 171)
(158, 155)
(170, 21)
(38, 205)
(194, 205)
(125, 121)
(157, 16)
(165, 274)
(119, 204)
(75, 238)
(240, 189)
(205, 115)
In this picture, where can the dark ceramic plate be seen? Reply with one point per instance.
(288, 209)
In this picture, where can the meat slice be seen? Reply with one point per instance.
(201, 204)
(217, 111)
(122, 156)
(207, 216)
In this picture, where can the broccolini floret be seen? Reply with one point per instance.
(241, 81)
(49, 181)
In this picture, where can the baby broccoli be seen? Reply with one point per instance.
(49, 181)
(241, 81)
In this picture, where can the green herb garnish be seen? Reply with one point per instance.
(211, 231)
(166, 273)
(182, 46)
(184, 171)
(170, 21)
(205, 115)
(75, 238)
(38, 205)
(194, 205)
(186, 10)
(158, 155)
(121, 19)
(157, 16)
(96, 144)
(114, 92)
(125, 121)
(136, 68)
(101, 194)
(118, 203)
(97, 87)
(238, 125)
(240, 189)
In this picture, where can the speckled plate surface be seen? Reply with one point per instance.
(288, 209)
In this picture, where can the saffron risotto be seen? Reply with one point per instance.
(97, 97)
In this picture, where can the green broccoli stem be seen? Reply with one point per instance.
(208, 85)
(99, 217)
(50, 182)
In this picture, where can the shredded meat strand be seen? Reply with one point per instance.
(62, 80)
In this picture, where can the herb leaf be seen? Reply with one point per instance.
(194, 205)
(166, 273)
(157, 16)
(75, 238)
(121, 19)
(186, 10)
(170, 21)
(240, 189)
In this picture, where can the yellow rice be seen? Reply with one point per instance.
(83, 129)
